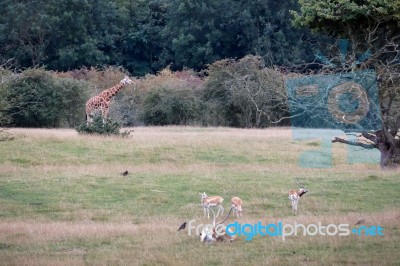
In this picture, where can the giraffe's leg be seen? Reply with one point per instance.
(105, 114)
(88, 118)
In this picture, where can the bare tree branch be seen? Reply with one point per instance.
(354, 143)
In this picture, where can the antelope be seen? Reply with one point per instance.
(212, 201)
(295, 195)
(206, 237)
(237, 206)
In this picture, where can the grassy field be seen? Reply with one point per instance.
(63, 200)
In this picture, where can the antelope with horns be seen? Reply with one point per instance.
(237, 206)
(295, 195)
(212, 201)
(217, 232)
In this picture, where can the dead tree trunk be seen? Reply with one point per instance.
(389, 147)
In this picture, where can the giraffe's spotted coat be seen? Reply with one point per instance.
(102, 101)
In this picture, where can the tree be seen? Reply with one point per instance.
(68, 35)
(24, 31)
(145, 36)
(202, 32)
(84, 33)
(373, 30)
(243, 93)
(144, 47)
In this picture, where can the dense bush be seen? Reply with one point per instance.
(74, 96)
(164, 106)
(37, 98)
(5, 75)
(97, 127)
(237, 93)
(34, 99)
(168, 98)
(243, 93)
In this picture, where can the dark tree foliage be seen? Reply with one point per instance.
(145, 36)
(66, 35)
(373, 30)
(143, 47)
(203, 32)
(85, 34)
(25, 27)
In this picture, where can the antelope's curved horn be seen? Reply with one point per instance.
(227, 216)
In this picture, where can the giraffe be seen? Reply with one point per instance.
(102, 100)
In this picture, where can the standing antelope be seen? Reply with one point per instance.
(237, 206)
(212, 201)
(295, 195)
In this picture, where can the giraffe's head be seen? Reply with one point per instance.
(126, 80)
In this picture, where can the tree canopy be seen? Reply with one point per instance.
(373, 30)
(145, 36)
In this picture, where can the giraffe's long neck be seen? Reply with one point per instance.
(109, 93)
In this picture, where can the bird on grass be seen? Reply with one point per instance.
(183, 226)
(360, 221)
(125, 173)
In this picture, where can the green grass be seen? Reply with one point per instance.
(64, 201)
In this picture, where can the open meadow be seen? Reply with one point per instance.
(63, 200)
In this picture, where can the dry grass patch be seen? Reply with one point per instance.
(64, 201)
